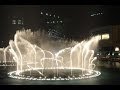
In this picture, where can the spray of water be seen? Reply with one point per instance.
(34, 52)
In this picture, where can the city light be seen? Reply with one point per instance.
(96, 14)
(41, 12)
(119, 54)
(97, 53)
(113, 54)
(116, 48)
(19, 21)
(13, 21)
(105, 36)
(47, 22)
(61, 21)
(47, 14)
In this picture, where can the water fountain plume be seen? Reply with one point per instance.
(66, 62)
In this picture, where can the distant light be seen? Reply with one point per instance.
(61, 21)
(113, 54)
(53, 21)
(41, 12)
(116, 48)
(91, 15)
(97, 53)
(96, 14)
(119, 54)
(54, 15)
(13, 21)
(105, 36)
(47, 14)
(47, 22)
(19, 21)
(58, 17)
(57, 21)
(50, 14)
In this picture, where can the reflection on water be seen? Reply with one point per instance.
(110, 74)
(10, 81)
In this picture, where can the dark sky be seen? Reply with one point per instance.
(77, 19)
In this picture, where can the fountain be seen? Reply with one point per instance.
(40, 60)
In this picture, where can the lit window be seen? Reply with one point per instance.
(53, 21)
(50, 14)
(116, 48)
(54, 15)
(19, 21)
(105, 36)
(13, 21)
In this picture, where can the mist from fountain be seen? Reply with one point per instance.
(36, 54)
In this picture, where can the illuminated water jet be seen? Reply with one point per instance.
(37, 63)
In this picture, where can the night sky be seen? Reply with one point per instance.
(77, 18)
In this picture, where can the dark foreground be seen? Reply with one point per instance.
(109, 76)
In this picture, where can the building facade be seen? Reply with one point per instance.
(109, 37)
